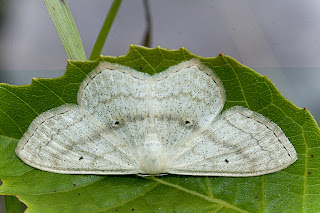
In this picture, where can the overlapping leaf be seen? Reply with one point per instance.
(295, 189)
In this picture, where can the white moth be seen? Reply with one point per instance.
(128, 122)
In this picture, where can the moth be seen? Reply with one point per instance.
(128, 122)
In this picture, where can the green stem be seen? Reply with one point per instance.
(102, 37)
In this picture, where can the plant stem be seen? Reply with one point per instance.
(147, 35)
(102, 37)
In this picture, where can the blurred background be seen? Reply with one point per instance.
(280, 39)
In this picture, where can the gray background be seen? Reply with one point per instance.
(280, 39)
(257, 33)
(260, 34)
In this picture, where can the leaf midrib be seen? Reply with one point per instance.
(129, 200)
(211, 199)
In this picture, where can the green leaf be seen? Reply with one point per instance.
(295, 189)
(12, 204)
(66, 28)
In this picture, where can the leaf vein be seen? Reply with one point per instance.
(242, 91)
(211, 199)
(129, 200)
(12, 120)
(143, 58)
(20, 100)
(36, 80)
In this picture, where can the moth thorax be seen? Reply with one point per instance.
(153, 158)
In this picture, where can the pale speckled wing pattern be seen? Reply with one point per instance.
(239, 143)
(116, 97)
(183, 103)
(127, 122)
(67, 140)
